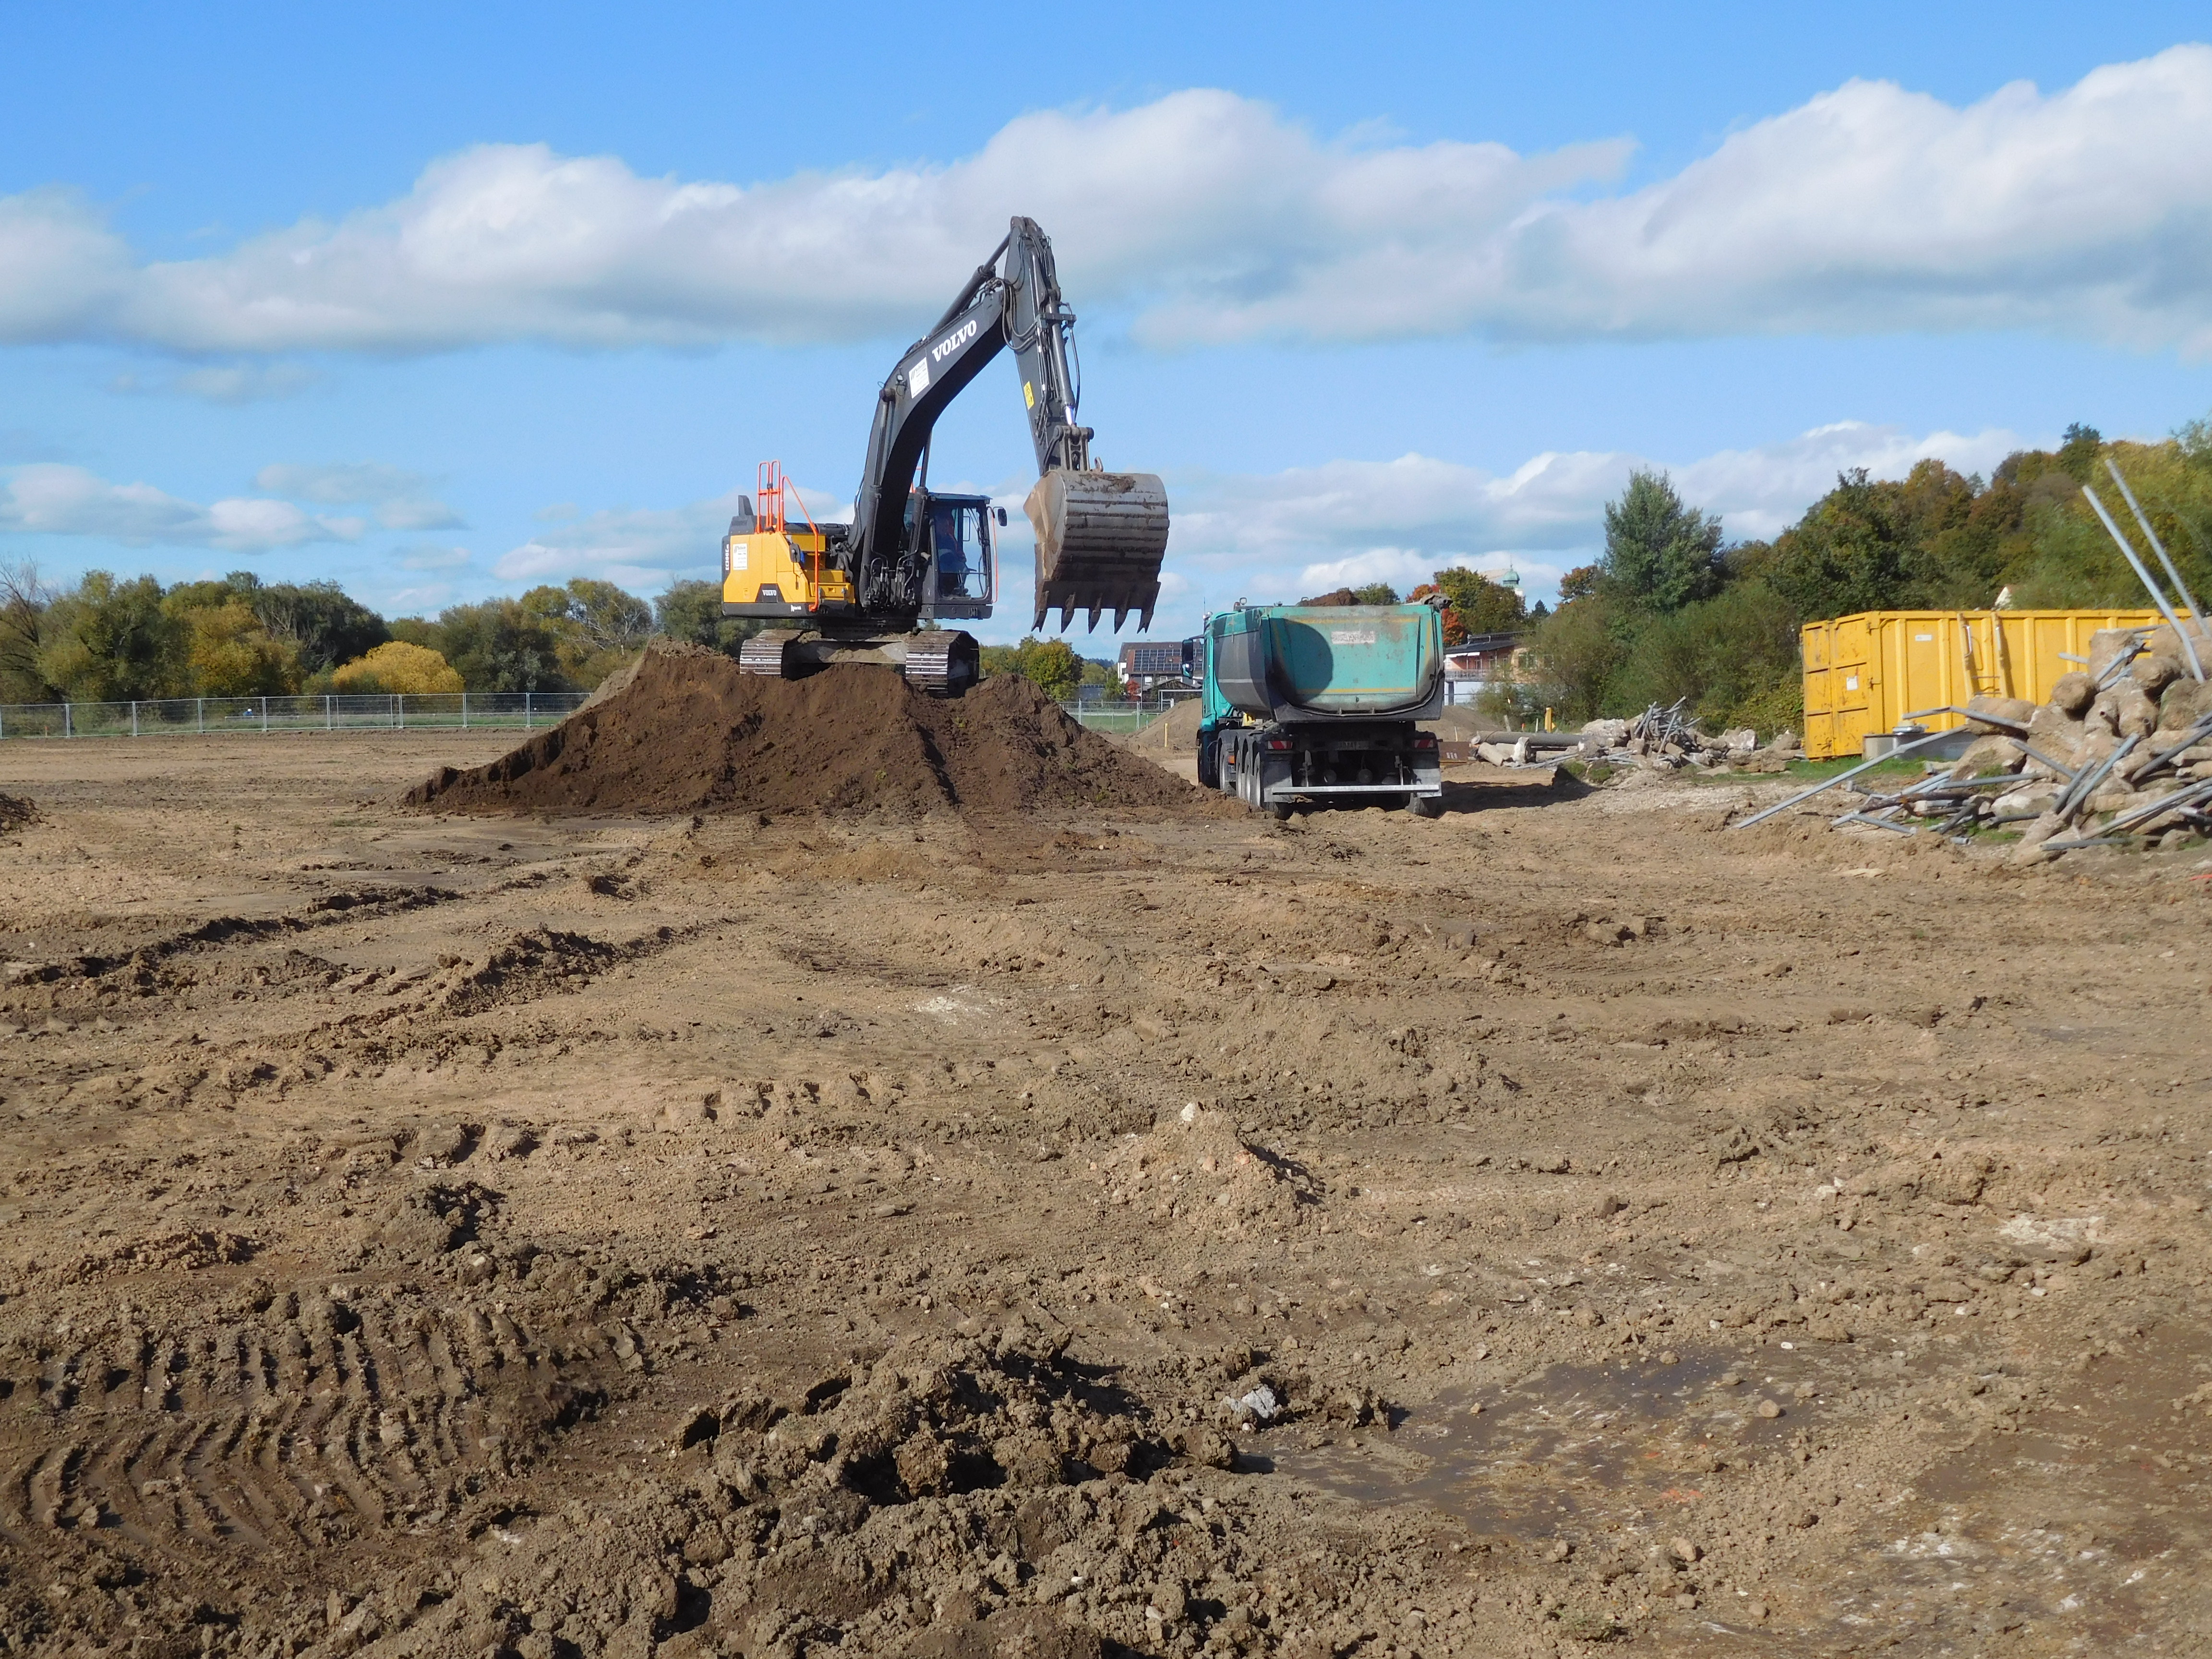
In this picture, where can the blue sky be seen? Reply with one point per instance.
(443, 302)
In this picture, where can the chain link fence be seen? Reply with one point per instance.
(522, 711)
(1123, 717)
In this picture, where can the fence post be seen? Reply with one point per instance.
(526, 711)
(68, 720)
(326, 712)
(401, 700)
(465, 711)
(265, 717)
(134, 717)
(199, 716)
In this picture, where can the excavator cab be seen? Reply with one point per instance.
(952, 535)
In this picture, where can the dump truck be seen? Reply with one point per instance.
(894, 585)
(1312, 704)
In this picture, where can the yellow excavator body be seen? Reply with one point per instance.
(783, 574)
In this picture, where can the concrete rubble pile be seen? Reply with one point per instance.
(2120, 756)
(1661, 740)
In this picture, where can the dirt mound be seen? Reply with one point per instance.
(688, 733)
(16, 813)
(1175, 732)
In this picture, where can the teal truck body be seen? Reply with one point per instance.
(1319, 705)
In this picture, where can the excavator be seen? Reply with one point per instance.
(891, 585)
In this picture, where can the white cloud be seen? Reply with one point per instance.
(1868, 209)
(642, 548)
(1280, 535)
(400, 498)
(233, 384)
(54, 500)
(434, 558)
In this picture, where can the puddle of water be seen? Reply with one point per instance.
(1572, 1447)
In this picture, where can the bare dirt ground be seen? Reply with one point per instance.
(1082, 1231)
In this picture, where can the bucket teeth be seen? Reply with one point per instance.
(1101, 537)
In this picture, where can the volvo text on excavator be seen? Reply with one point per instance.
(891, 585)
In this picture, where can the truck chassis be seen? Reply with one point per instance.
(1275, 769)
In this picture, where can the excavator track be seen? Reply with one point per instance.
(944, 664)
(768, 654)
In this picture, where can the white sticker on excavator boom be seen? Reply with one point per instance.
(917, 379)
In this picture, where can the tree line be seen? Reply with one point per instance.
(109, 638)
(112, 639)
(1672, 612)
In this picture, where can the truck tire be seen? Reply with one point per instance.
(1209, 761)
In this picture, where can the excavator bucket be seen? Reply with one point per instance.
(1100, 539)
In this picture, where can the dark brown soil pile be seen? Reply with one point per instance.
(689, 734)
(16, 813)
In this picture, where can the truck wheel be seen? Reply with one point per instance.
(1426, 806)
(1209, 763)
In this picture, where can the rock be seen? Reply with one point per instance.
(2055, 733)
(2004, 714)
(1559, 1550)
(442, 1143)
(2038, 798)
(1669, 1357)
(2133, 714)
(1686, 1551)
(2153, 673)
(1611, 1205)
(1611, 732)
(1741, 741)
(2030, 850)
(1768, 1409)
(1687, 1603)
(2073, 694)
(510, 1140)
(2104, 645)
(1988, 757)
(2185, 702)
(1605, 932)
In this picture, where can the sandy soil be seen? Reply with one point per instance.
(1073, 1233)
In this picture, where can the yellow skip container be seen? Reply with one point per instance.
(1866, 673)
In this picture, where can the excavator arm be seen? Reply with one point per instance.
(1101, 536)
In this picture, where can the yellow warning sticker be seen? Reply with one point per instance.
(1029, 396)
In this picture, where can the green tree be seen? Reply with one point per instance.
(1482, 605)
(1577, 654)
(1372, 593)
(107, 641)
(500, 645)
(1051, 664)
(692, 611)
(232, 654)
(324, 624)
(1659, 552)
(23, 601)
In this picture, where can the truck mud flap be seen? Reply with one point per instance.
(1100, 539)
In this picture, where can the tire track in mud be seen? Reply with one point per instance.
(320, 1418)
